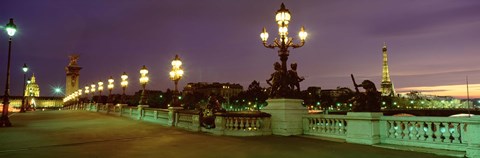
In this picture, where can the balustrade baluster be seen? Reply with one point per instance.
(322, 125)
(423, 131)
(436, 132)
(390, 129)
(414, 132)
(235, 123)
(242, 126)
(311, 124)
(430, 132)
(336, 126)
(406, 130)
(257, 123)
(248, 123)
(332, 125)
(398, 130)
(342, 128)
(442, 129)
(230, 123)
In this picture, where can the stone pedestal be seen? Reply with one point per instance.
(286, 117)
(172, 116)
(364, 127)
(472, 137)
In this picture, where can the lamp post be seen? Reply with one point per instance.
(143, 82)
(86, 93)
(124, 85)
(92, 90)
(100, 90)
(11, 28)
(110, 88)
(283, 42)
(79, 99)
(25, 69)
(175, 75)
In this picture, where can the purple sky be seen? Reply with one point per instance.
(430, 42)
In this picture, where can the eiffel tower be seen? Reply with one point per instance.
(387, 88)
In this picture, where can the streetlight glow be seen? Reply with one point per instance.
(100, 86)
(11, 28)
(283, 42)
(110, 83)
(175, 75)
(25, 68)
(143, 82)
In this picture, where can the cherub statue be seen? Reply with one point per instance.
(275, 79)
(293, 78)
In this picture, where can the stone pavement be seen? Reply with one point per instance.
(88, 134)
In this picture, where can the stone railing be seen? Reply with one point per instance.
(230, 123)
(433, 132)
(331, 126)
(445, 133)
(243, 124)
(155, 115)
(188, 119)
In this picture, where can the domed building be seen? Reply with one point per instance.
(32, 88)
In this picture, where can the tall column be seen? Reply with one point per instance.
(73, 74)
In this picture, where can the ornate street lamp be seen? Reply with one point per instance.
(175, 75)
(124, 85)
(143, 82)
(86, 93)
(92, 90)
(283, 42)
(11, 28)
(110, 88)
(100, 90)
(25, 69)
(79, 99)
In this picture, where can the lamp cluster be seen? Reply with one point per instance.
(283, 18)
(175, 74)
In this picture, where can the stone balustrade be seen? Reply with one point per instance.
(445, 133)
(230, 123)
(243, 124)
(372, 128)
(433, 132)
(331, 126)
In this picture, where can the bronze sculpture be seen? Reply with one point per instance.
(293, 78)
(368, 101)
(284, 83)
(207, 115)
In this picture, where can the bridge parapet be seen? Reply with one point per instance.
(446, 133)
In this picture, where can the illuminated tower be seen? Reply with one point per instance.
(73, 74)
(387, 88)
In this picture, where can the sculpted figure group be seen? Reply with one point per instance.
(284, 83)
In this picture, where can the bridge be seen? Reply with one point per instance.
(79, 133)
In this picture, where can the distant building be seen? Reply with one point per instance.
(335, 93)
(32, 89)
(226, 90)
(314, 91)
(36, 102)
(33, 98)
(387, 87)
